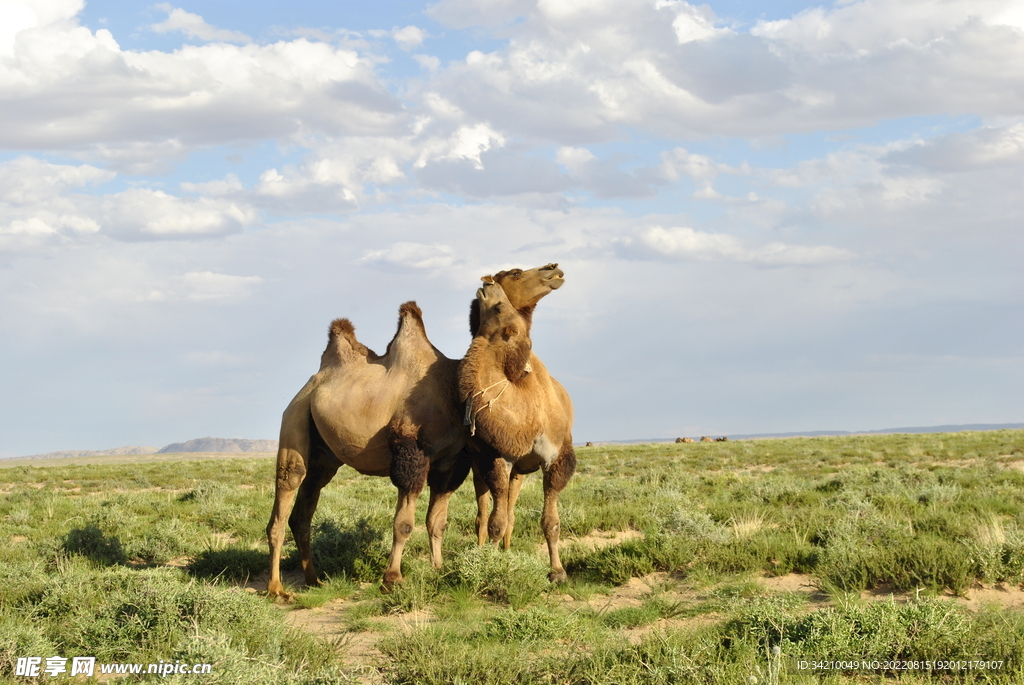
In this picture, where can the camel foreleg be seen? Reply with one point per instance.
(515, 484)
(556, 477)
(496, 473)
(442, 485)
(483, 504)
(409, 467)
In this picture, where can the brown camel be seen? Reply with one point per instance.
(686, 440)
(393, 415)
(521, 415)
(705, 438)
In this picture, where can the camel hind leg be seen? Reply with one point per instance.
(321, 468)
(556, 477)
(292, 457)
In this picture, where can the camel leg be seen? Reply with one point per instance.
(496, 475)
(292, 454)
(515, 484)
(442, 485)
(556, 477)
(320, 471)
(409, 467)
(483, 504)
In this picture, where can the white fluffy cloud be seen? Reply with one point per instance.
(63, 86)
(194, 26)
(670, 68)
(42, 202)
(682, 243)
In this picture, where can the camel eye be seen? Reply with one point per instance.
(498, 306)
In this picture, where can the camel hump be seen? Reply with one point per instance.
(341, 327)
(342, 344)
(412, 309)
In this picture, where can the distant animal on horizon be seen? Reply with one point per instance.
(589, 444)
(396, 414)
(705, 438)
(686, 440)
(722, 439)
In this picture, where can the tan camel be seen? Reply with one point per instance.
(685, 440)
(705, 438)
(521, 415)
(394, 415)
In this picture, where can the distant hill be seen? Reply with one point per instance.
(220, 445)
(130, 449)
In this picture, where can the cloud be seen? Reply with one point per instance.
(30, 181)
(409, 38)
(144, 214)
(66, 87)
(682, 243)
(404, 256)
(209, 286)
(667, 68)
(194, 26)
(987, 147)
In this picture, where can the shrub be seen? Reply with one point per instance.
(350, 549)
(502, 575)
(91, 543)
(633, 558)
(230, 563)
(535, 623)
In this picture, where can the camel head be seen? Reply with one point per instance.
(524, 290)
(503, 328)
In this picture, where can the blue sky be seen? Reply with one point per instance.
(772, 216)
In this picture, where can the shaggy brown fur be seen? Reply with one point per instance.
(394, 415)
(523, 417)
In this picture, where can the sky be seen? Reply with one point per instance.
(772, 216)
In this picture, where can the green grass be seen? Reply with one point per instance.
(145, 561)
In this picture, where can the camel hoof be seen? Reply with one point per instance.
(389, 583)
(558, 576)
(277, 590)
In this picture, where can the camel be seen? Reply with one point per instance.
(395, 414)
(522, 415)
(686, 440)
(705, 438)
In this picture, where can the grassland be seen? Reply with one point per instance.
(676, 556)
